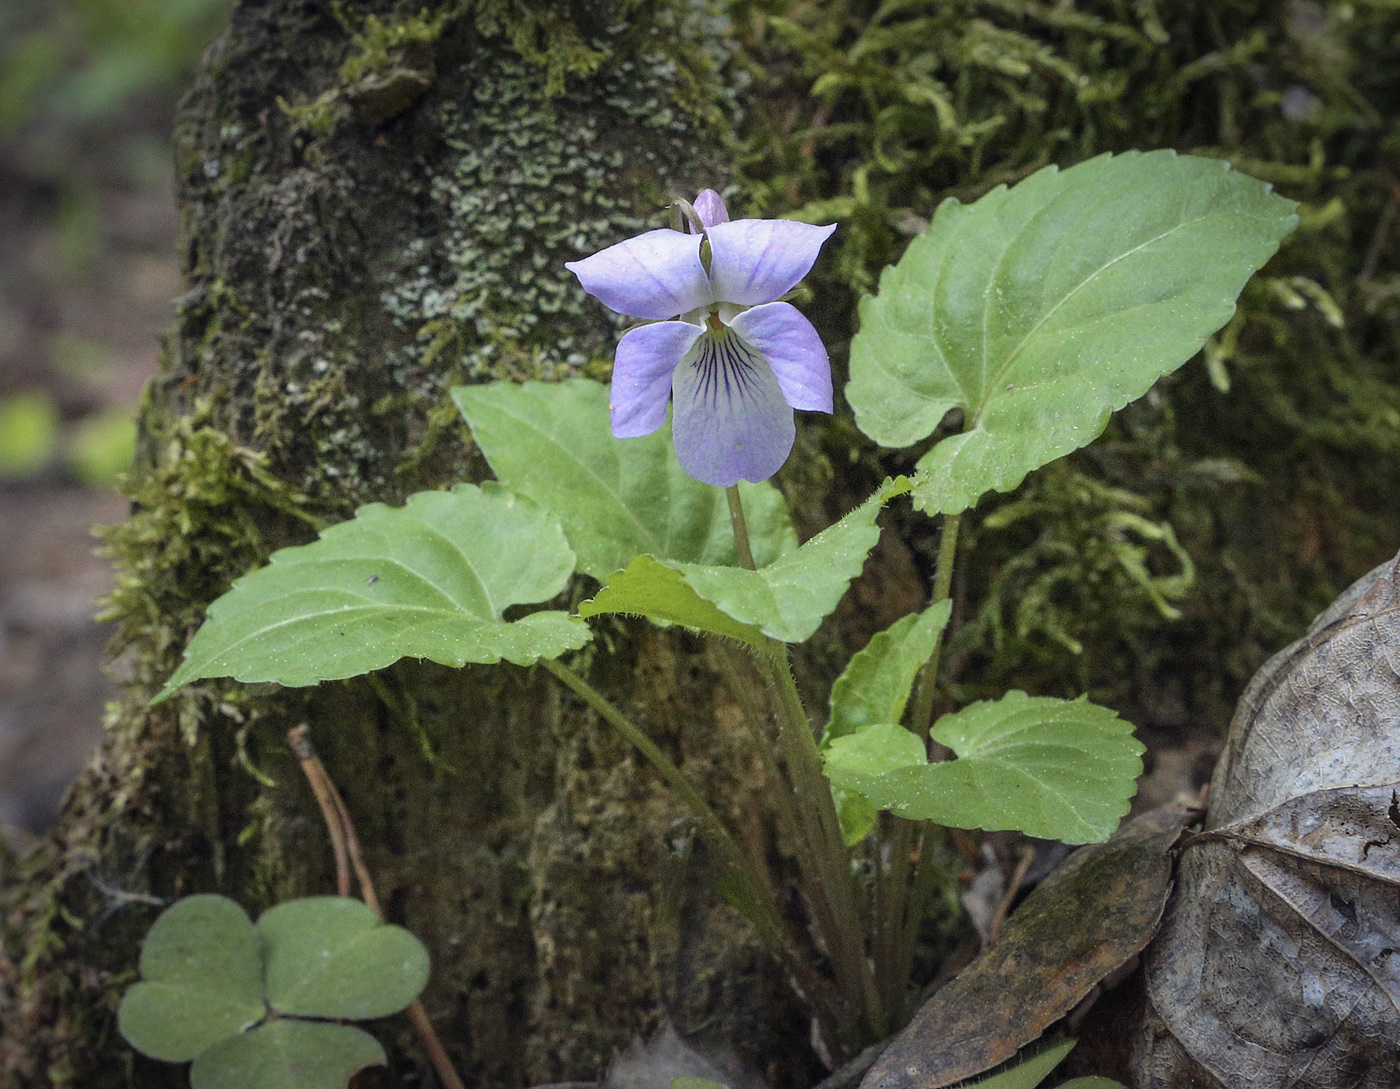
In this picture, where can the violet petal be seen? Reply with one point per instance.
(711, 208)
(755, 261)
(641, 383)
(785, 338)
(730, 420)
(655, 275)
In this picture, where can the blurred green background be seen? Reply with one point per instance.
(88, 269)
(87, 91)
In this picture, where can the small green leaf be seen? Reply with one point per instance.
(201, 969)
(789, 598)
(651, 589)
(1029, 1071)
(330, 956)
(1042, 308)
(855, 815)
(875, 684)
(1056, 769)
(1093, 1083)
(785, 600)
(616, 498)
(429, 580)
(288, 1055)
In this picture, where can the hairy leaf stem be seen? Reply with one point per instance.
(754, 897)
(907, 869)
(822, 858)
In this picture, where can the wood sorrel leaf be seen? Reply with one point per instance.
(616, 498)
(430, 580)
(201, 980)
(1040, 309)
(785, 600)
(876, 683)
(287, 1054)
(1057, 769)
(332, 957)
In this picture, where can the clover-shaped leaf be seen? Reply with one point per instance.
(330, 956)
(616, 498)
(287, 1054)
(431, 579)
(201, 980)
(1042, 308)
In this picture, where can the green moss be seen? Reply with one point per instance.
(872, 114)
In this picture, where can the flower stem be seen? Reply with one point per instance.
(907, 876)
(741, 527)
(754, 896)
(822, 858)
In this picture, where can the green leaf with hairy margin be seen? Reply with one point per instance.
(647, 587)
(791, 596)
(1031, 1067)
(1040, 309)
(332, 957)
(429, 580)
(201, 980)
(616, 498)
(876, 683)
(785, 600)
(288, 1054)
(1056, 769)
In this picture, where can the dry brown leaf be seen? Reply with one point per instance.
(1081, 923)
(1279, 961)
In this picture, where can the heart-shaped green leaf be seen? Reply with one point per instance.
(876, 683)
(287, 1055)
(201, 980)
(330, 956)
(1042, 308)
(616, 498)
(785, 600)
(1057, 769)
(429, 580)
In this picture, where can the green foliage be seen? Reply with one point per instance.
(1030, 1068)
(1055, 769)
(330, 956)
(616, 498)
(85, 61)
(287, 1055)
(430, 580)
(103, 445)
(202, 980)
(28, 433)
(876, 683)
(1040, 309)
(209, 977)
(784, 600)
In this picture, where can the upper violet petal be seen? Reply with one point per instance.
(730, 421)
(711, 208)
(655, 275)
(793, 349)
(641, 383)
(755, 261)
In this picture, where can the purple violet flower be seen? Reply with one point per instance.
(733, 360)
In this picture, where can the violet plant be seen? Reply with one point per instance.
(1035, 312)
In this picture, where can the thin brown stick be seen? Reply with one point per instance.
(300, 739)
(347, 849)
(1013, 886)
